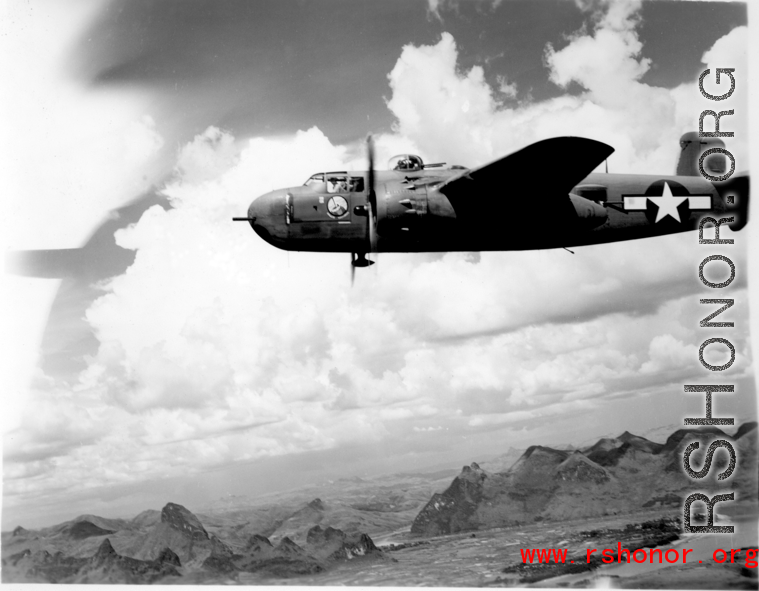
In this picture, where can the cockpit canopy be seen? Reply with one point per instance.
(406, 163)
(335, 182)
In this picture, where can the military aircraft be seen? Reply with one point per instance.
(543, 196)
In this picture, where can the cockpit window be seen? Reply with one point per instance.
(357, 184)
(314, 180)
(337, 183)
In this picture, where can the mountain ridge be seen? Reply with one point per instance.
(611, 476)
(325, 525)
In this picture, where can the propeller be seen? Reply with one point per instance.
(371, 197)
(358, 259)
(99, 258)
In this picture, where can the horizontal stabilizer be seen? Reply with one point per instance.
(545, 171)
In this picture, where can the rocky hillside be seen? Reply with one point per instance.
(375, 506)
(105, 566)
(149, 550)
(613, 476)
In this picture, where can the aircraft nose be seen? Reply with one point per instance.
(265, 206)
(253, 211)
(256, 209)
(267, 216)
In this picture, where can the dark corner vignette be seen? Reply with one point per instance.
(726, 303)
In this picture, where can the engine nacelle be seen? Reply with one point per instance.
(401, 211)
(589, 213)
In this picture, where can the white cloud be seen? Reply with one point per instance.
(456, 116)
(433, 8)
(506, 88)
(207, 157)
(667, 352)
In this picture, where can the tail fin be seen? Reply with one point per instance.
(734, 191)
(691, 148)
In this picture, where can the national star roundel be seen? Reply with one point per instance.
(667, 202)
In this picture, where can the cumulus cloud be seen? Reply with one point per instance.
(508, 89)
(436, 7)
(207, 157)
(457, 116)
(667, 352)
(217, 348)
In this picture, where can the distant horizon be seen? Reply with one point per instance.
(424, 470)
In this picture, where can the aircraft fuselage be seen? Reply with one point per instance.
(413, 215)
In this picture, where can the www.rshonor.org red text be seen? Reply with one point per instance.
(748, 556)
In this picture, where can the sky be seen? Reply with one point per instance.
(182, 359)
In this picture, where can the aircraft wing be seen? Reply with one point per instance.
(538, 176)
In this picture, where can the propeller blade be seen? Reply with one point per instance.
(50, 264)
(371, 197)
(358, 259)
(372, 233)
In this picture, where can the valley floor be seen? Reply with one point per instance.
(479, 559)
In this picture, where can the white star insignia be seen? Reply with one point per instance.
(667, 204)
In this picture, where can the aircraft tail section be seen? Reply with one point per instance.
(691, 148)
(734, 192)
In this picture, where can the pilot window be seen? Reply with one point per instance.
(314, 180)
(337, 184)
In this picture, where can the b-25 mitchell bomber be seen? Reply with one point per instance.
(543, 196)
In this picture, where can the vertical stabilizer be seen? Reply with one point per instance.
(691, 148)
